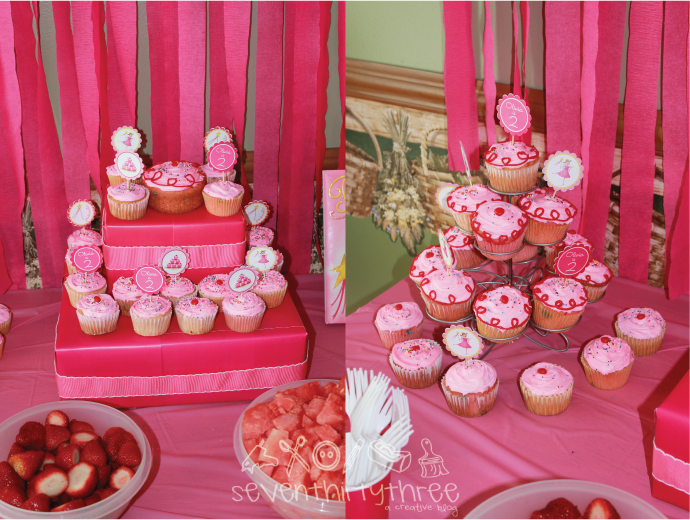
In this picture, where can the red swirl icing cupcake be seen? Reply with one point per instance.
(548, 216)
(502, 312)
(426, 263)
(175, 186)
(558, 303)
(512, 167)
(499, 227)
(448, 294)
(466, 255)
(595, 279)
(463, 201)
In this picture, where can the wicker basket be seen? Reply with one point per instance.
(362, 173)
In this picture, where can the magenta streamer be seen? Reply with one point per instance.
(118, 111)
(341, 79)
(123, 16)
(220, 113)
(489, 80)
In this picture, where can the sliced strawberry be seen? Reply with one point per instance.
(129, 455)
(26, 464)
(69, 506)
(55, 435)
(92, 499)
(14, 449)
(13, 495)
(60, 446)
(62, 499)
(108, 493)
(115, 442)
(80, 426)
(93, 453)
(52, 482)
(120, 477)
(32, 436)
(110, 432)
(58, 418)
(103, 476)
(67, 457)
(81, 439)
(8, 476)
(558, 508)
(48, 458)
(40, 503)
(600, 508)
(83, 478)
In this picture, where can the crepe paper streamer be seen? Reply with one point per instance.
(341, 78)
(603, 37)
(637, 164)
(157, 15)
(459, 84)
(123, 17)
(117, 102)
(524, 13)
(489, 80)
(106, 154)
(220, 113)
(73, 138)
(5, 280)
(269, 92)
(561, 78)
(674, 99)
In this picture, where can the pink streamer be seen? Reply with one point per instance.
(341, 78)
(517, 82)
(524, 13)
(123, 23)
(489, 80)
(118, 111)
(11, 228)
(459, 85)
(637, 165)
(220, 113)
(159, 90)
(107, 154)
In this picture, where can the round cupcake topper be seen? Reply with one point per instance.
(129, 164)
(222, 157)
(446, 252)
(126, 139)
(571, 261)
(563, 171)
(86, 259)
(514, 114)
(463, 342)
(257, 212)
(262, 258)
(174, 261)
(81, 212)
(242, 279)
(149, 279)
(215, 136)
(442, 195)
(467, 165)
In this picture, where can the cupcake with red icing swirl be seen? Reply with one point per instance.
(595, 279)
(128, 202)
(548, 217)
(175, 186)
(571, 239)
(398, 322)
(427, 262)
(80, 285)
(195, 315)
(499, 227)
(502, 312)
(126, 292)
(223, 199)
(470, 388)
(546, 388)
(243, 311)
(462, 246)
(463, 201)
(151, 315)
(607, 362)
(512, 167)
(271, 288)
(448, 294)
(5, 319)
(260, 236)
(176, 288)
(642, 328)
(416, 363)
(558, 303)
(97, 314)
(214, 288)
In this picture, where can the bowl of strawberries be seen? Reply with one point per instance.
(71, 459)
(290, 442)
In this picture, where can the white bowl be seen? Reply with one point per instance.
(101, 417)
(522, 501)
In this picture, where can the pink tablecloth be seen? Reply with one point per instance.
(603, 437)
(195, 472)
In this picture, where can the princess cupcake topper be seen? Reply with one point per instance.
(563, 171)
(216, 135)
(514, 115)
(262, 258)
(442, 195)
(86, 259)
(242, 279)
(81, 213)
(222, 157)
(150, 279)
(463, 342)
(571, 261)
(129, 164)
(126, 139)
(174, 261)
(446, 252)
(257, 212)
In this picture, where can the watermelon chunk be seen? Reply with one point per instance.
(284, 401)
(330, 485)
(333, 412)
(289, 422)
(326, 433)
(314, 407)
(280, 475)
(272, 452)
(327, 389)
(251, 446)
(257, 421)
(340, 387)
(267, 468)
(308, 391)
(310, 437)
(307, 422)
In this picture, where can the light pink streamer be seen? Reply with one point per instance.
(124, 27)
(489, 80)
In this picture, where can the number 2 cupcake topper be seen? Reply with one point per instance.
(86, 259)
(463, 342)
(149, 279)
(222, 157)
(514, 115)
(571, 261)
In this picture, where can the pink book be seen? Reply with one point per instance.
(334, 244)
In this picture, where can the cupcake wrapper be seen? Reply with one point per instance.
(641, 347)
(513, 180)
(594, 292)
(390, 338)
(2, 346)
(420, 378)
(129, 210)
(75, 296)
(243, 323)
(222, 207)
(500, 248)
(175, 300)
(98, 325)
(125, 305)
(156, 326)
(470, 405)
(546, 404)
(5, 326)
(468, 258)
(497, 334)
(527, 252)
(195, 325)
(545, 233)
(553, 319)
(272, 298)
(448, 311)
(551, 254)
(116, 179)
(612, 381)
(464, 221)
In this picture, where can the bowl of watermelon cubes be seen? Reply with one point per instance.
(71, 459)
(291, 442)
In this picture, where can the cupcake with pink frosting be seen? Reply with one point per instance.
(463, 201)
(571, 239)
(548, 216)
(642, 328)
(512, 167)
(97, 314)
(502, 312)
(466, 255)
(5, 319)
(176, 288)
(243, 311)
(126, 292)
(128, 202)
(470, 388)
(223, 198)
(546, 388)
(214, 288)
(426, 263)
(416, 363)
(79, 285)
(214, 176)
(195, 315)
(558, 303)
(151, 315)
(84, 237)
(260, 236)
(279, 261)
(115, 178)
(398, 322)
(595, 279)
(607, 362)
(271, 288)
(499, 227)
(448, 294)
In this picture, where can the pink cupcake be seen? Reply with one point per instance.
(416, 363)
(115, 178)
(571, 239)
(448, 294)
(470, 388)
(126, 292)
(195, 315)
(499, 227)
(558, 303)
(279, 261)
(427, 262)
(548, 216)
(97, 314)
(260, 236)
(214, 288)
(546, 388)
(5, 319)
(463, 201)
(271, 288)
(462, 246)
(398, 322)
(84, 237)
(243, 311)
(176, 288)
(2, 345)
(80, 285)
(607, 362)
(527, 253)
(128, 202)
(223, 198)
(502, 312)
(214, 176)
(642, 328)
(151, 315)
(595, 279)
(512, 167)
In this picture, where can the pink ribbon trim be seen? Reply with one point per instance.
(200, 257)
(670, 471)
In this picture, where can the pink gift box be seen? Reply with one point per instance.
(124, 369)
